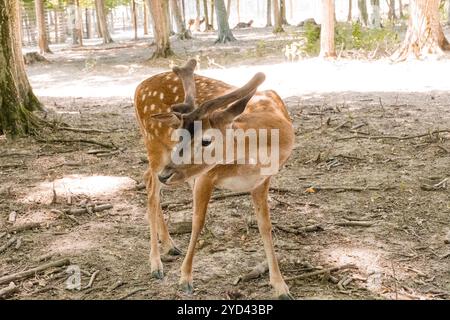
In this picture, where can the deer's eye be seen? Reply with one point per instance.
(206, 142)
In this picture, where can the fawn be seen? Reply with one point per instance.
(162, 113)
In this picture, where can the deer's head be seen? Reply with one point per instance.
(194, 125)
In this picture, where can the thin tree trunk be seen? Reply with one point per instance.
(283, 12)
(327, 46)
(17, 100)
(145, 18)
(205, 11)
(363, 15)
(224, 30)
(228, 9)
(391, 12)
(101, 18)
(375, 19)
(134, 18)
(269, 13)
(400, 9)
(424, 35)
(56, 26)
(88, 23)
(278, 27)
(42, 28)
(197, 18)
(79, 23)
(182, 32)
(238, 11)
(212, 14)
(349, 16)
(158, 11)
(448, 13)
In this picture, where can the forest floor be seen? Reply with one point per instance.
(367, 175)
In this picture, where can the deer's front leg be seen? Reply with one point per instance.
(259, 196)
(153, 212)
(201, 193)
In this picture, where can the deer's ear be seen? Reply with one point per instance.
(233, 110)
(182, 108)
(171, 119)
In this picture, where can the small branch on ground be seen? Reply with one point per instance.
(9, 290)
(319, 272)
(86, 141)
(33, 271)
(395, 137)
(354, 224)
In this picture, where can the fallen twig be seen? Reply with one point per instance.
(95, 208)
(105, 145)
(87, 130)
(8, 244)
(92, 279)
(127, 295)
(10, 289)
(396, 137)
(319, 272)
(355, 224)
(30, 272)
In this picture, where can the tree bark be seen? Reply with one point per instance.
(228, 9)
(400, 9)
(17, 100)
(269, 13)
(424, 36)
(42, 27)
(158, 10)
(375, 19)
(101, 19)
(205, 10)
(225, 34)
(363, 15)
(238, 11)
(182, 32)
(327, 46)
(88, 15)
(278, 27)
(349, 15)
(448, 13)
(212, 14)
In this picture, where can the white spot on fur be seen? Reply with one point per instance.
(145, 109)
(175, 89)
(144, 96)
(154, 93)
(161, 95)
(176, 98)
(152, 107)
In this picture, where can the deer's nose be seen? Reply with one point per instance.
(165, 175)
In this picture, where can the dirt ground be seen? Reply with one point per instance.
(367, 174)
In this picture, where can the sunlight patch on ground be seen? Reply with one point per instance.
(288, 79)
(90, 186)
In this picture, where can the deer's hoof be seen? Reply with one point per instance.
(174, 251)
(186, 287)
(285, 296)
(158, 274)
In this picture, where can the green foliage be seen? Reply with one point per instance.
(348, 37)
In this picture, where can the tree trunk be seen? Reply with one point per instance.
(228, 9)
(424, 35)
(134, 18)
(158, 11)
(400, 9)
(363, 16)
(283, 12)
(17, 100)
(448, 13)
(42, 28)
(278, 27)
(375, 19)
(197, 18)
(56, 26)
(238, 11)
(269, 13)
(205, 11)
(225, 33)
(391, 12)
(101, 18)
(182, 32)
(349, 16)
(79, 23)
(212, 14)
(145, 18)
(88, 23)
(327, 47)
